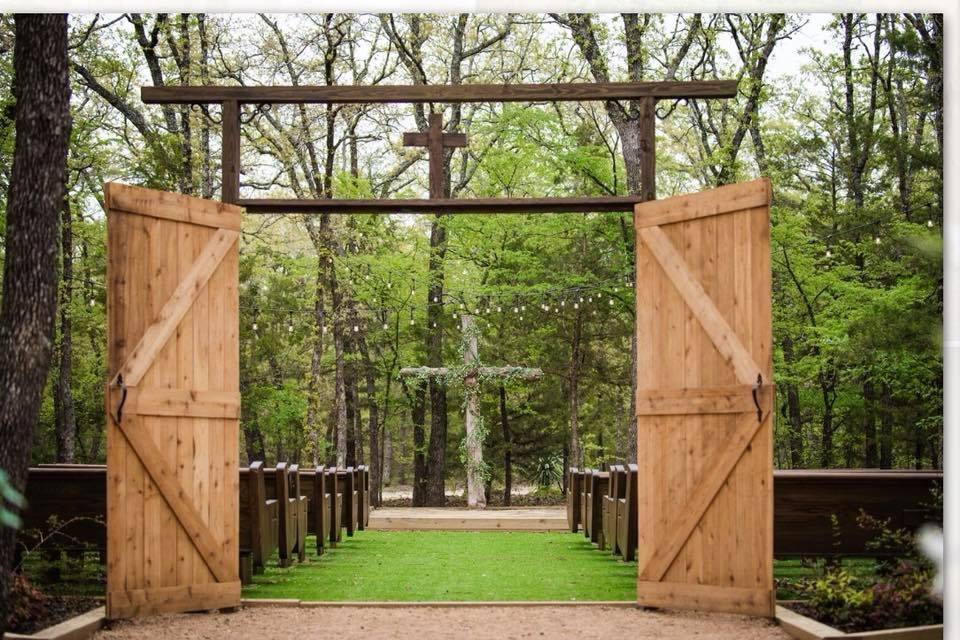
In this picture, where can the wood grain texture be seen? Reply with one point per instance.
(171, 206)
(587, 204)
(704, 458)
(441, 93)
(172, 490)
(725, 199)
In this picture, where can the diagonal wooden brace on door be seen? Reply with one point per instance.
(723, 337)
(166, 322)
(679, 529)
(164, 476)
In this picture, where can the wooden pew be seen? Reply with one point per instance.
(616, 488)
(76, 493)
(259, 517)
(804, 502)
(574, 494)
(301, 504)
(318, 523)
(599, 480)
(627, 525)
(347, 486)
(364, 497)
(335, 500)
(287, 514)
(584, 500)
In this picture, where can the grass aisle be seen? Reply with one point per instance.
(452, 565)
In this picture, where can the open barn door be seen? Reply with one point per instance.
(173, 402)
(704, 399)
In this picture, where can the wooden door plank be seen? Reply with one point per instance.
(157, 334)
(165, 479)
(696, 206)
(712, 321)
(171, 206)
(702, 400)
(129, 603)
(706, 597)
(715, 474)
(191, 403)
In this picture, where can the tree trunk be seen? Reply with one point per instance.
(387, 456)
(316, 358)
(435, 495)
(476, 497)
(886, 427)
(869, 425)
(418, 416)
(507, 449)
(63, 406)
(574, 390)
(35, 198)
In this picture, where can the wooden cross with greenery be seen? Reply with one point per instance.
(472, 373)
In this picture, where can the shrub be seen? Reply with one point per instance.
(25, 602)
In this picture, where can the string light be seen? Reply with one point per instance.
(93, 302)
(876, 240)
(829, 253)
(356, 328)
(930, 223)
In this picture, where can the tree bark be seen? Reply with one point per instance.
(65, 422)
(507, 449)
(574, 390)
(35, 198)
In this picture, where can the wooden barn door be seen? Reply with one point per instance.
(173, 402)
(704, 399)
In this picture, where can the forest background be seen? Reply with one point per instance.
(843, 112)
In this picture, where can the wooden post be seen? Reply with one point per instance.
(648, 148)
(230, 169)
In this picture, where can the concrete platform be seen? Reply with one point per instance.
(443, 519)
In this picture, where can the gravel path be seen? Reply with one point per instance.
(428, 623)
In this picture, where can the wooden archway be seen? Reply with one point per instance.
(704, 366)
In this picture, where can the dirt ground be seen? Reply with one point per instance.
(428, 623)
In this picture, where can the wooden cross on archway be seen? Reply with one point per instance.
(435, 140)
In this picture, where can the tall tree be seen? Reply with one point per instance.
(34, 202)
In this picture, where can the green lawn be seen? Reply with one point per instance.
(453, 565)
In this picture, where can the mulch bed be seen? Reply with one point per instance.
(58, 609)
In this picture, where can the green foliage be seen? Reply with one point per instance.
(11, 502)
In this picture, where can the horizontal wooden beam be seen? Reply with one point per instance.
(598, 204)
(576, 91)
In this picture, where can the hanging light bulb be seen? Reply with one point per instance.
(590, 299)
(876, 240)
(829, 253)
(516, 310)
(523, 307)
(389, 284)
(462, 306)
(563, 303)
(93, 302)
(323, 329)
(454, 315)
(385, 326)
(581, 298)
(436, 299)
(499, 309)
(434, 325)
(254, 326)
(576, 305)
(521, 318)
(930, 223)
(411, 322)
(356, 328)
(610, 302)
